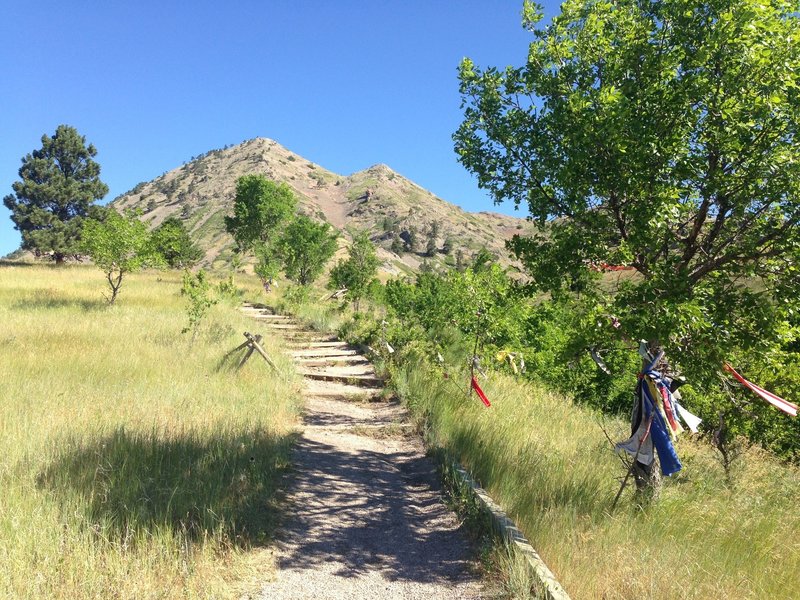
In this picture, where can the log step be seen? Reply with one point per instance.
(322, 353)
(332, 361)
(352, 380)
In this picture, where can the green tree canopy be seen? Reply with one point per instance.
(172, 241)
(58, 183)
(117, 244)
(306, 247)
(260, 208)
(358, 271)
(661, 135)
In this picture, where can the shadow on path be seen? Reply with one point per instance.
(367, 510)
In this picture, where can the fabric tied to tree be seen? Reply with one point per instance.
(479, 391)
(662, 430)
(776, 401)
(655, 424)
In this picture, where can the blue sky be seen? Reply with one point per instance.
(345, 84)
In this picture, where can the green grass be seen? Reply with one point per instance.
(132, 465)
(549, 465)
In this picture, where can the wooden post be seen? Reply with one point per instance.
(249, 353)
(254, 344)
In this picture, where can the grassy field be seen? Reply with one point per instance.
(131, 464)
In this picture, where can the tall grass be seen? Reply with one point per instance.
(549, 465)
(131, 464)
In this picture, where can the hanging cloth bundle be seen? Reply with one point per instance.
(655, 421)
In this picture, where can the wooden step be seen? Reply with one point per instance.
(284, 326)
(322, 353)
(332, 361)
(340, 391)
(321, 345)
(345, 370)
(354, 380)
(308, 337)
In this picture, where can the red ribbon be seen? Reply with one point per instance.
(480, 393)
(777, 402)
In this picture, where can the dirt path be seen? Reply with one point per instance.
(366, 518)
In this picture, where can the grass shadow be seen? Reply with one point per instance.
(221, 485)
(53, 299)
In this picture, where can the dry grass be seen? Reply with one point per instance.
(131, 465)
(548, 464)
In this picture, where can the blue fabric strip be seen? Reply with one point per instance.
(667, 457)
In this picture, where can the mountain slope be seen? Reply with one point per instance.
(378, 199)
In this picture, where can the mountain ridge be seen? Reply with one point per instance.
(377, 199)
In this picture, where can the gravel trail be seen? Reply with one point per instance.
(365, 518)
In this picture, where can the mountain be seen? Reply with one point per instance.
(378, 199)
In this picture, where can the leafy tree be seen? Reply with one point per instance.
(268, 263)
(259, 209)
(171, 240)
(197, 290)
(118, 244)
(483, 260)
(306, 247)
(58, 184)
(357, 272)
(661, 135)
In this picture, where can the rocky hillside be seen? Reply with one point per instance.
(401, 216)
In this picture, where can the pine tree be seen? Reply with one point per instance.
(59, 183)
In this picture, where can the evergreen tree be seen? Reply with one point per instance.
(460, 264)
(447, 248)
(397, 246)
(59, 182)
(430, 247)
(412, 241)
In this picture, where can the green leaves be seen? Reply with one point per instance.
(118, 244)
(656, 135)
(306, 246)
(172, 241)
(197, 290)
(261, 206)
(58, 184)
(358, 271)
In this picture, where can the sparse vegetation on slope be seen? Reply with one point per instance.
(364, 200)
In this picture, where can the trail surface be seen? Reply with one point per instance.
(366, 518)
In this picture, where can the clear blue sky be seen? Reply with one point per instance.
(345, 84)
